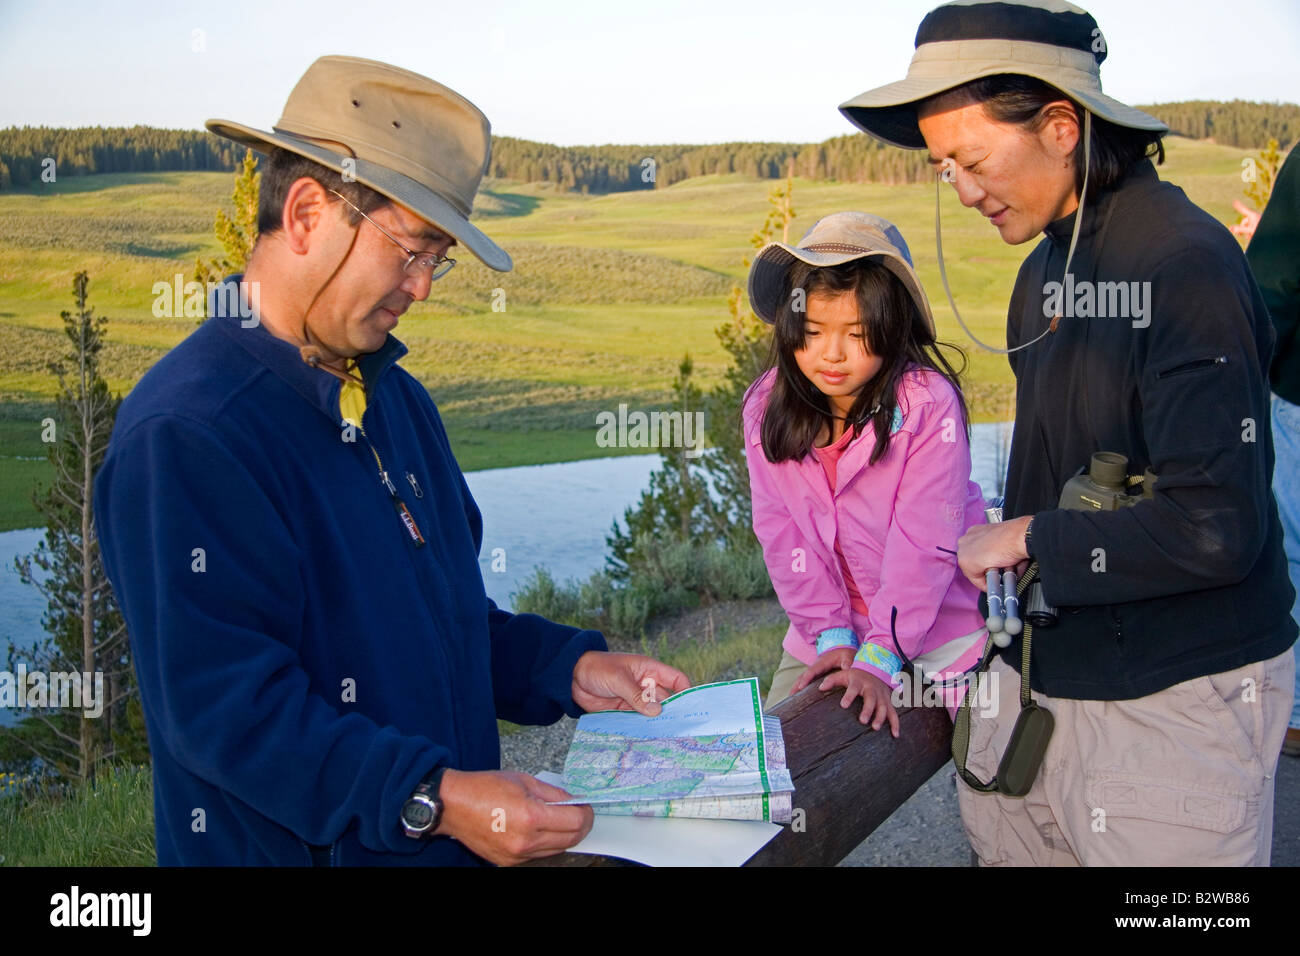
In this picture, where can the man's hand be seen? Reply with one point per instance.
(503, 817)
(874, 692)
(605, 681)
(836, 659)
(997, 545)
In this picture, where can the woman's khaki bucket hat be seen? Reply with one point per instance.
(833, 240)
(422, 145)
(1050, 40)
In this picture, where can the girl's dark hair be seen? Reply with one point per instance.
(1011, 98)
(284, 168)
(892, 328)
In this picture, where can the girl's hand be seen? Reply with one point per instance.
(874, 692)
(837, 658)
(1249, 221)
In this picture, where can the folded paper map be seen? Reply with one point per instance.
(709, 753)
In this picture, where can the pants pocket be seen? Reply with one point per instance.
(1164, 800)
(982, 813)
(981, 817)
(1170, 779)
(1235, 698)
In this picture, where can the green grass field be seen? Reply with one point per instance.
(607, 294)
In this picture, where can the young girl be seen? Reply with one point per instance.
(859, 467)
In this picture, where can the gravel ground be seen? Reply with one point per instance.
(534, 749)
(924, 831)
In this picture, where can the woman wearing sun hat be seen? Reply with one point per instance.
(1134, 327)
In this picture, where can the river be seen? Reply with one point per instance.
(555, 516)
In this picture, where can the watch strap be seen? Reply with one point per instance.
(431, 782)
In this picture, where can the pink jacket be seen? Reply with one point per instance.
(891, 518)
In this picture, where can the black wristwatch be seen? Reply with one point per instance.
(422, 812)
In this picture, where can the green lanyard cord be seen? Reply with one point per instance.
(961, 725)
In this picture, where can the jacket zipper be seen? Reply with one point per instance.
(413, 530)
(1193, 366)
(403, 512)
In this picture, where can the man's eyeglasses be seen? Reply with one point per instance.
(435, 266)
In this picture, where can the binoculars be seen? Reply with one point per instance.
(1105, 486)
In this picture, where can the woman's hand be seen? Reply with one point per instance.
(874, 692)
(837, 658)
(997, 545)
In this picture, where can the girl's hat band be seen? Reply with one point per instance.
(832, 241)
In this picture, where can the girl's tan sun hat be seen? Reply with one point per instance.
(833, 240)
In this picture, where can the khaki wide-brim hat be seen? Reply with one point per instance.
(422, 145)
(833, 240)
(1050, 40)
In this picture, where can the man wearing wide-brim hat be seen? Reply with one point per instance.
(294, 548)
(1134, 327)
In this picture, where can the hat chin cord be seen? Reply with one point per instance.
(310, 352)
(861, 420)
(1074, 240)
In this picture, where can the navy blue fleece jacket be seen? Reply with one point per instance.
(303, 662)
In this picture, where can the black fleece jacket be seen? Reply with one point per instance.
(1194, 581)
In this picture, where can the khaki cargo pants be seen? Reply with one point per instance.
(1180, 777)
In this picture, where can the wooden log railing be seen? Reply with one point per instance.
(848, 778)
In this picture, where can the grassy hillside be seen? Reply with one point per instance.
(607, 293)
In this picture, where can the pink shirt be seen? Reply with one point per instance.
(896, 525)
(830, 456)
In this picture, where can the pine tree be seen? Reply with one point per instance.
(781, 199)
(237, 235)
(84, 627)
(1259, 188)
(747, 339)
(705, 500)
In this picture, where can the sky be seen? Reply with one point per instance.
(573, 72)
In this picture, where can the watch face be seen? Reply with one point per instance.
(417, 814)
